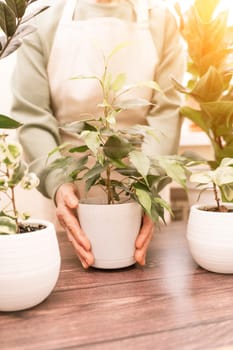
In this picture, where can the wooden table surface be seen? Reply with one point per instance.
(170, 303)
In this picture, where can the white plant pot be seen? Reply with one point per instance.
(112, 230)
(210, 238)
(29, 267)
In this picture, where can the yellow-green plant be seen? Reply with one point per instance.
(209, 41)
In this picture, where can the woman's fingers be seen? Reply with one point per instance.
(67, 202)
(143, 240)
(86, 257)
(70, 223)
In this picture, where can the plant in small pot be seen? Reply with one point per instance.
(209, 87)
(111, 161)
(209, 41)
(209, 231)
(29, 252)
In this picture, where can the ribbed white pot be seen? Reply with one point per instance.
(112, 230)
(210, 238)
(29, 267)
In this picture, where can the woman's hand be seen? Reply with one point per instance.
(143, 239)
(67, 203)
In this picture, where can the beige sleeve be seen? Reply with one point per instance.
(31, 106)
(164, 117)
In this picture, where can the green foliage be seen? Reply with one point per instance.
(13, 172)
(211, 69)
(113, 159)
(220, 178)
(14, 25)
(209, 41)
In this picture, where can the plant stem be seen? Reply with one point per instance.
(108, 185)
(216, 196)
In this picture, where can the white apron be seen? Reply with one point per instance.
(79, 48)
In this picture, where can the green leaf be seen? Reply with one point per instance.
(18, 7)
(209, 87)
(91, 182)
(140, 161)
(163, 182)
(119, 82)
(144, 199)
(18, 174)
(179, 87)
(131, 172)
(196, 117)
(204, 177)
(226, 162)
(150, 84)
(117, 49)
(116, 147)
(227, 192)
(174, 169)
(77, 164)
(77, 127)
(220, 114)
(97, 169)
(163, 204)
(92, 140)
(7, 122)
(79, 149)
(7, 225)
(223, 175)
(206, 9)
(58, 148)
(7, 20)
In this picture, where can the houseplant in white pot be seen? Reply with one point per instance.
(112, 160)
(209, 87)
(209, 230)
(29, 252)
(210, 90)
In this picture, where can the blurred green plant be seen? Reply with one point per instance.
(15, 25)
(209, 41)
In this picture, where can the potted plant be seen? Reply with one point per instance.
(209, 87)
(209, 230)
(112, 160)
(210, 91)
(29, 252)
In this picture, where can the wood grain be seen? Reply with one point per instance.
(170, 303)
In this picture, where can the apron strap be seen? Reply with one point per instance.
(141, 8)
(68, 11)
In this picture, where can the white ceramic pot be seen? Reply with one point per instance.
(29, 267)
(210, 238)
(112, 230)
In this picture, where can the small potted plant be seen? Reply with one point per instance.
(29, 252)
(210, 226)
(113, 161)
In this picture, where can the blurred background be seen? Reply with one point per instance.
(191, 138)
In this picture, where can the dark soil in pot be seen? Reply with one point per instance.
(222, 209)
(25, 228)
